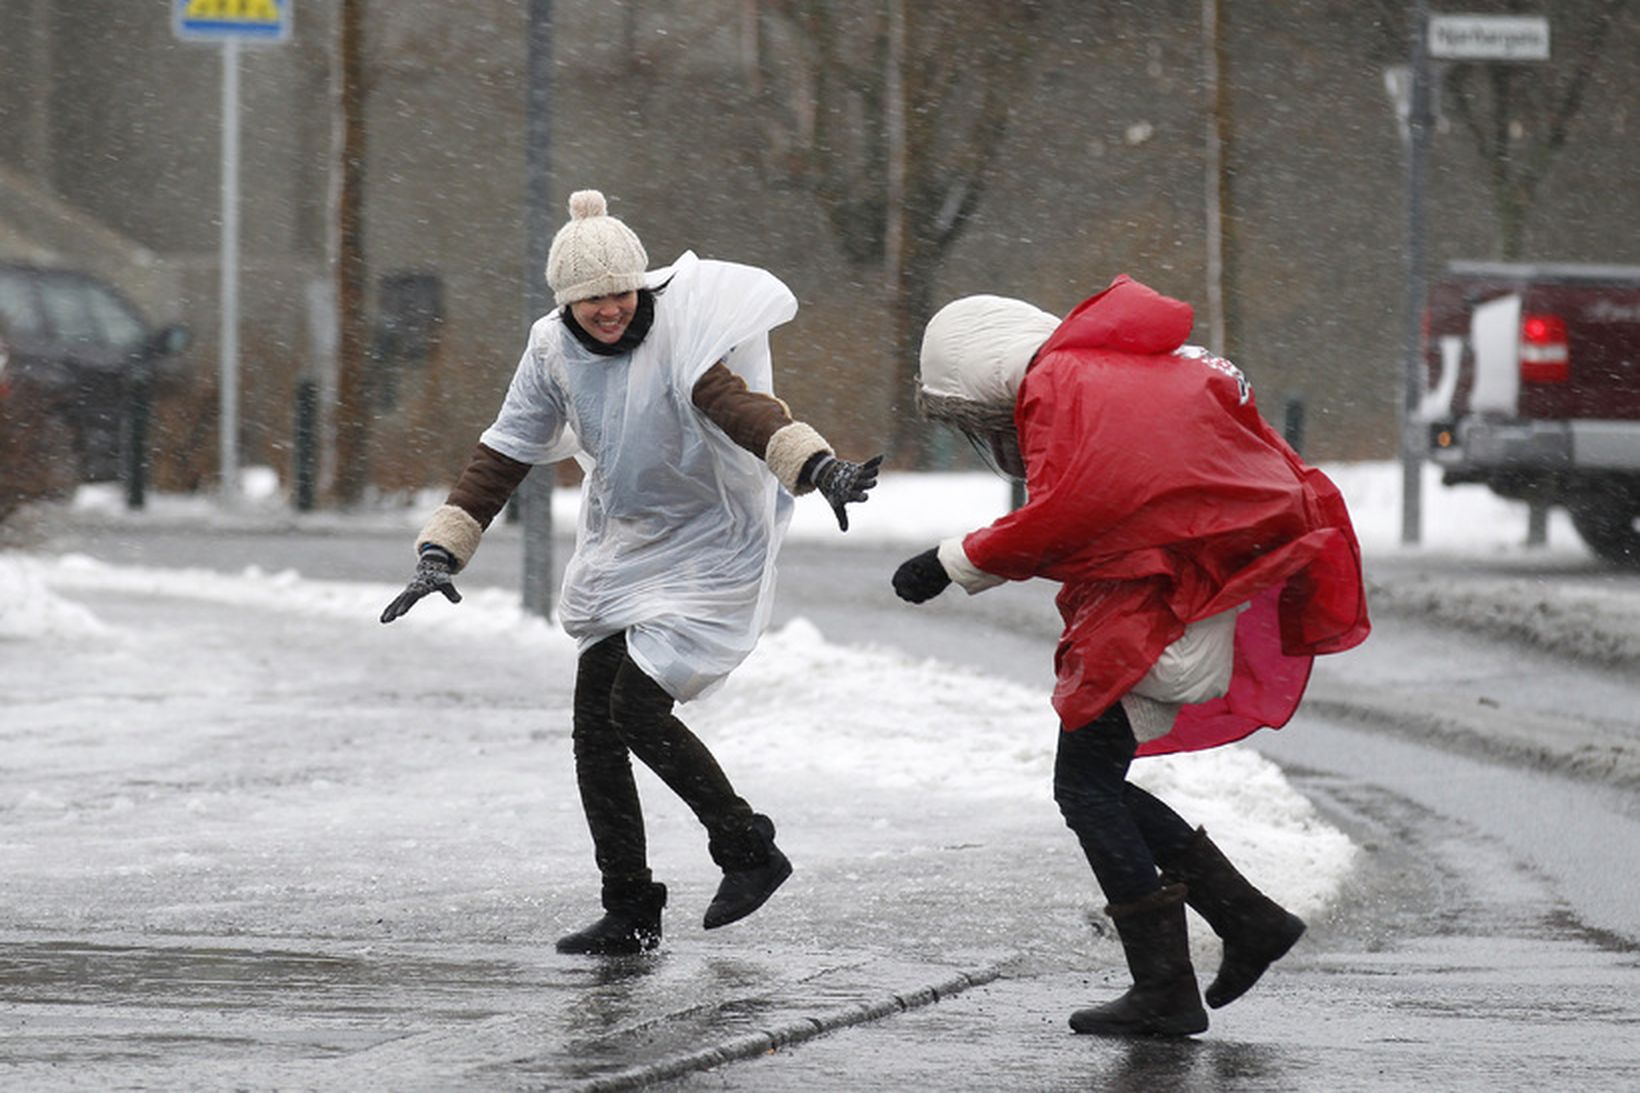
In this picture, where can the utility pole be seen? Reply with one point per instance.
(1217, 146)
(1413, 363)
(352, 413)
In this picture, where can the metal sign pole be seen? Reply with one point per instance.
(228, 25)
(229, 340)
(1514, 37)
(535, 497)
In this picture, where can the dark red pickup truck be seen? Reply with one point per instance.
(1534, 390)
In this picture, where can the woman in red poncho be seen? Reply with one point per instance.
(1202, 566)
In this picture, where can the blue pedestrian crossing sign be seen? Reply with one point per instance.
(240, 20)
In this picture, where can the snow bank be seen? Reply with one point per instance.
(915, 725)
(30, 609)
(901, 723)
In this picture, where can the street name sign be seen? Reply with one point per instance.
(1489, 37)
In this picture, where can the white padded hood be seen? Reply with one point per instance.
(977, 348)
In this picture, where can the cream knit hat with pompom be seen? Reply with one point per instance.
(594, 254)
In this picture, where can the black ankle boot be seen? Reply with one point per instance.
(1256, 930)
(753, 867)
(631, 923)
(1164, 999)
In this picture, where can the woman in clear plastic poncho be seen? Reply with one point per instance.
(660, 385)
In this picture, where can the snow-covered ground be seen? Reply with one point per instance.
(902, 724)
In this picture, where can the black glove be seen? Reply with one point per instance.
(433, 573)
(840, 482)
(921, 578)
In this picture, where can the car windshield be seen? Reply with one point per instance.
(18, 316)
(79, 311)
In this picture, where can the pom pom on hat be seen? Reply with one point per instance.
(585, 203)
(594, 254)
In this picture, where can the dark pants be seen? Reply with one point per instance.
(1124, 831)
(620, 712)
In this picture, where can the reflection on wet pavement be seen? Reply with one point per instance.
(183, 1016)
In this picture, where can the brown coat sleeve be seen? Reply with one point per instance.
(484, 487)
(748, 418)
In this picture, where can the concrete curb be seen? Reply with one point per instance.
(1614, 763)
(796, 1031)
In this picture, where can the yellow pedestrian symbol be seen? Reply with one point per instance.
(239, 20)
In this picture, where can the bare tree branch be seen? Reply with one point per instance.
(1531, 104)
(966, 65)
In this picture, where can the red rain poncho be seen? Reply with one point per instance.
(1158, 497)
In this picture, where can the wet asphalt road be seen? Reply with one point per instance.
(1491, 940)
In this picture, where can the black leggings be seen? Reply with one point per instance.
(621, 712)
(1123, 830)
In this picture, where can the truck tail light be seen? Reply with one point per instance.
(1544, 357)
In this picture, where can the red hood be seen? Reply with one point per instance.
(1128, 317)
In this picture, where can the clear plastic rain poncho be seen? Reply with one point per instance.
(679, 525)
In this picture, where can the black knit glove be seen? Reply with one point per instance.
(840, 482)
(921, 578)
(433, 573)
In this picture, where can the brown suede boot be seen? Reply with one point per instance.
(1256, 930)
(1163, 1000)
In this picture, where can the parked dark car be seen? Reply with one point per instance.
(76, 348)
